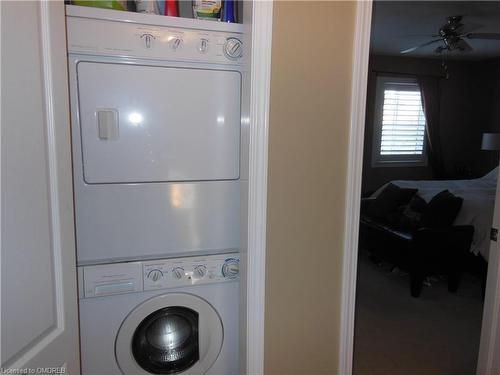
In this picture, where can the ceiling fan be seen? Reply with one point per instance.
(453, 36)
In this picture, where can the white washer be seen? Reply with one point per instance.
(156, 134)
(174, 316)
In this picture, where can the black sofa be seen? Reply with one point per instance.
(422, 251)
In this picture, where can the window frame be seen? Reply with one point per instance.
(379, 160)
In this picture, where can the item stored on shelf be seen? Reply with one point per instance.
(207, 9)
(171, 8)
(109, 4)
(229, 11)
(147, 6)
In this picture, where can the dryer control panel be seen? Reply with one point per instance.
(128, 277)
(167, 42)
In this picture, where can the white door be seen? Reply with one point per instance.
(150, 123)
(489, 350)
(39, 305)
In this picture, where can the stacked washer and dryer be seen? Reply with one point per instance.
(157, 144)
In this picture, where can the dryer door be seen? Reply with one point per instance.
(141, 123)
(169, 334)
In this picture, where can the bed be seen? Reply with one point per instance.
(477, 208)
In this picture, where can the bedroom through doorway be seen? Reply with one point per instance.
(429, 183)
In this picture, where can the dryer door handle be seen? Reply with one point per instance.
(107, 124)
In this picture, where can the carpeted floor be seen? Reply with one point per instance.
(395, 334)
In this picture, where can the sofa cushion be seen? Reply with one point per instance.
(411, 214)
(441, 211)
(417, 204)
(389, 200)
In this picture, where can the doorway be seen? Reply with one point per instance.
(466, 159)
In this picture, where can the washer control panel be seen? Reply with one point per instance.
(100, 37)
(129, 277)
(172, 273)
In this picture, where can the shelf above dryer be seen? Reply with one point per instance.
(151, 19)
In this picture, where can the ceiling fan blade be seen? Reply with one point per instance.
(492, 36)
(422, 45)
(440, 49)
(468, 28)
(420, 36)
(464, 46)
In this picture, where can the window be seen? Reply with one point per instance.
(399, 123)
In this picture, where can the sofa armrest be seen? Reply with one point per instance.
(454, 238)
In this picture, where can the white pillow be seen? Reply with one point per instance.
(491, 175)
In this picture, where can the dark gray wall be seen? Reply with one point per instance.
(469, 106)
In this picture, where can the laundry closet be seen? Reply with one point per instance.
(156, 108)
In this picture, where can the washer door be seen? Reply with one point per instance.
(169, 334)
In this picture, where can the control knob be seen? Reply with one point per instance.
(233, 48)
(148, 40)
(203, 46)
(155, 275)
(231, 268)
(175, 43)
(200, 271)
(178, 273)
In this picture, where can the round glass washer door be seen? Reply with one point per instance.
(169, 334)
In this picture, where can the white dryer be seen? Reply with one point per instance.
(156, 135)
(160, 317)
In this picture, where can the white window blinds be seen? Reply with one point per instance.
(403, 120)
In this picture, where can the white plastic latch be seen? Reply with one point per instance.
(107, 123)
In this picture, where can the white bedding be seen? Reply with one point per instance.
(477, 208)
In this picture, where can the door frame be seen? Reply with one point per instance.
(260, 82)
(490, 332)
(489, 344)
(361, 54)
